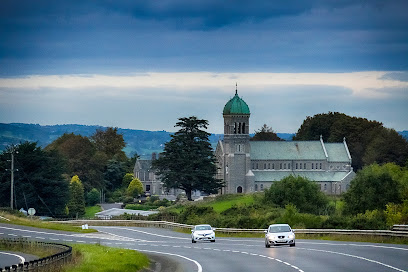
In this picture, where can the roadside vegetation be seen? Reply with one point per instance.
(97, 258)
(37, 223)
(90, 211)
(382, 191)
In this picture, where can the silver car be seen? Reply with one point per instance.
(202, 233)
(279, 234)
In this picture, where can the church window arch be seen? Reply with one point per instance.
(239, 189)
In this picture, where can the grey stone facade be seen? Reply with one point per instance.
(250, 166)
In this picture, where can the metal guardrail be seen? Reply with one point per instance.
(400, 228)
(50, 263)
(172, 225)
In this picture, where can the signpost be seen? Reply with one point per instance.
(31, 212)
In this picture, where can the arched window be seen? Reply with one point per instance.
(239, 190)
(256, 187)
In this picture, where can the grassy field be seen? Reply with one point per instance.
(225, 202)
(36, 223)
(97, 258)
(90, 211)
(220, 203)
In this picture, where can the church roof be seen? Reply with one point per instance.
(236, 105)
(298, 150)
(320, 176)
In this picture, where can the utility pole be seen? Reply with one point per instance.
(12, 151)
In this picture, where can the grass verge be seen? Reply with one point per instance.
(91, 210)
(29, 248)
(97, 258)
(36, 223)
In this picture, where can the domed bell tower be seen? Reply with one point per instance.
(237, 173)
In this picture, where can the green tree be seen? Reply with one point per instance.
(299, 191)
(76, 204)
(188, 161)
(368, 141)
(135, 188)
(81, 158)
(127, 178)
(371, 189)
(92, 197)
(38, 183)
(109, 142)
(115, 170)
(265, 134)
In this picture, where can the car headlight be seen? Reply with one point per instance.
(271, 237)
(291, 236)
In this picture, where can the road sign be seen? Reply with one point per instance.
(31, 211)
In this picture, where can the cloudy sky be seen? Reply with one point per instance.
(143, 64)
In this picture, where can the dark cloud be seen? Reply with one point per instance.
(400, 76)
(103, 36)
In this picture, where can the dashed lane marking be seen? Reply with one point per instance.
(354, 256)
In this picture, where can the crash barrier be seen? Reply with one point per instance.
(173, 225)
(46, 264)
(400, 228)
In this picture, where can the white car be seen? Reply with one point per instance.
(279, 234)
(202, 233)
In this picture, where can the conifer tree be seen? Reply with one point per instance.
(76, 204)
(188, 161)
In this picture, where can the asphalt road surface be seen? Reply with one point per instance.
(233, 254)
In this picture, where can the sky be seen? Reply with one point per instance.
(144, 64)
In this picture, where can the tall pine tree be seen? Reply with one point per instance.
(188, 161)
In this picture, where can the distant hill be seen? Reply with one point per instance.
(142, 142)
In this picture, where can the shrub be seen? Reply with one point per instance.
(369, 220)
(299, 191)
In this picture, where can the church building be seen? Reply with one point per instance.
(250, 166)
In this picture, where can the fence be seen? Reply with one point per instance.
(46, 264)
(400, 232)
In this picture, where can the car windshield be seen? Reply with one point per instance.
(279, 229)
(203, 228)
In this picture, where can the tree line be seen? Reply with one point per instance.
(73, 170)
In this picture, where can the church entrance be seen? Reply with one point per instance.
(239, 190)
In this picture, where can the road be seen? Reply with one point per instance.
(234, 254)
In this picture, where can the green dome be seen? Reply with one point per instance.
(236, 106)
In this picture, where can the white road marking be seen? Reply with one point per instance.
(200, 269)
(356, 245)
(159, 235)
(22, 260)
(354, 256)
